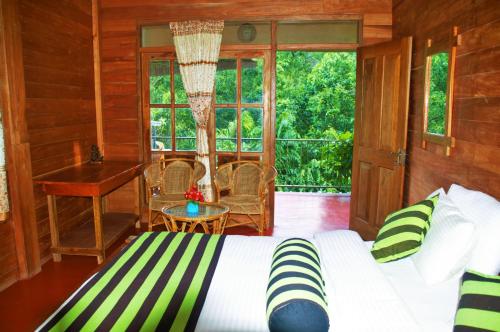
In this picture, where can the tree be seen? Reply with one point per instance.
(315, 100)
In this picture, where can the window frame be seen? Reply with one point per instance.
(433, 47)
(172, 106)
(147, 57)
(239, 105)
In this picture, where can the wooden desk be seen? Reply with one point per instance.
(89, 180)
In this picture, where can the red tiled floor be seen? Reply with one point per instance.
(27, 303)
(304, 214)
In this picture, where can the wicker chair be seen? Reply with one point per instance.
(166, 181)
(246, 184)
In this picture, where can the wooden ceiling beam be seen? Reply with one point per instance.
(242, 9)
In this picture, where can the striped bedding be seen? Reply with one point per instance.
(159, 282)
(236, 297)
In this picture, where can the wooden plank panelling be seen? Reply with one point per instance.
(60, 105)
(19, 238)
(475, 161)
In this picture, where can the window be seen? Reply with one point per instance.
(234, 33)
(172, 124)
(438, 91)
(318, 32)
(438, 76)
(239, 104)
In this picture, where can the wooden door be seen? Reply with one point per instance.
(383, 81)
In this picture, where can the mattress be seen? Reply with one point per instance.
(362, 295)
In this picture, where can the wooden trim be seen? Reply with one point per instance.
(266, 109)
(156, 49)
(238, 109)
(318, 47)
(53, 224)
(272, 118)
(268, 17)
(172, 104)
(432, 47)
(143, 155)
(223, 48)
(244, 47)
(96, 41)
(439, 139)
(17, 147)
(144, 97)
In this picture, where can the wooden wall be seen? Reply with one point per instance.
(475, 161)
(60, 105)
(55, 107)
(119, 23)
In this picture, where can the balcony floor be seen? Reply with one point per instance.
(27, 303)
(304, 214)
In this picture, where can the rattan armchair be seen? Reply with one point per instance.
(246, 184)
(166, 182)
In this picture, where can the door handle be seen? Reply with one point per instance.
(399, 157)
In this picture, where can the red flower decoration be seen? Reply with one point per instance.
(194, 195)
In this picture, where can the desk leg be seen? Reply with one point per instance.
(54, 231)
(99, 241)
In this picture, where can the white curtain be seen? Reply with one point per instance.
(197, 44)
(4, 197)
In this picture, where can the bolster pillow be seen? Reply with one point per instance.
(296, 300)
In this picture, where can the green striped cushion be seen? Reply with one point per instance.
(479, 306)
(296, 300)
(403, 231)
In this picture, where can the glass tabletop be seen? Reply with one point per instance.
(205, 211)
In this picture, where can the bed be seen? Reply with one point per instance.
(390, 297)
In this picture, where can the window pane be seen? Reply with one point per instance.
(251, 130)
(159, 82)
(318, 32)
(185, 130)
(246, 33)
(251, 80)
(225, 123)
(225, 81)
(180, 93)
(154, 36)
(161, 129)
(437, 93)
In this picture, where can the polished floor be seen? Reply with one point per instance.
(27, 303)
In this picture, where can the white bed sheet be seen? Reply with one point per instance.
(360, 298)
(433, 307)
(362, 295)
(236, 299)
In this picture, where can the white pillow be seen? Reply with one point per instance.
(484, 211)
(447, 247)
(439, 191)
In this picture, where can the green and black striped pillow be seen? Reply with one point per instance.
(296, 300)
(479, 306)
(403, 231)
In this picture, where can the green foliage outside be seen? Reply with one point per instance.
(437, 93)
(251, 93)
(315, 100)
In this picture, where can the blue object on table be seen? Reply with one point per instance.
(192, 207)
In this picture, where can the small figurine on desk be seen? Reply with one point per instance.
(95, 155)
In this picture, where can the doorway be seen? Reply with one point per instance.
(315, 103)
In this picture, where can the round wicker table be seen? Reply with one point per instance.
(211, 216)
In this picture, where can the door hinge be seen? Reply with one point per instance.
(399, 157)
